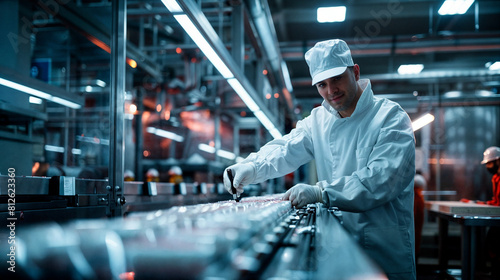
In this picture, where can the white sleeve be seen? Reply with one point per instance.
(284, 155)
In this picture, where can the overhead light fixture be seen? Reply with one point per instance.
(56, 149)
(221, 153)
(165, 134)
(207, 49)
(331, 14)
(455, 7)
(267, 124)
(493, 66)
(286, 75)
(100, 83)
(243, 94)
(204, 46)
(93, 140)
(408, 69)
(422, 121)
(38, 93)
(35, 100)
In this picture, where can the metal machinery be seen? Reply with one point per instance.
(63, 198)
(257, 238)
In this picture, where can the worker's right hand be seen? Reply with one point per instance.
(243, 173)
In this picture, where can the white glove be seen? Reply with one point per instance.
(243, 173)
(302, 194)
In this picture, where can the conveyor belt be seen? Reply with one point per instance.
(257, 238)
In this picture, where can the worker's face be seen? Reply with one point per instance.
(342, 91)
(493, 166)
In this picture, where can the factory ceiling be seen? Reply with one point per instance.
(454, 49)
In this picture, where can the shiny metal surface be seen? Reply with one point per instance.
(116, 104)
(257, 238)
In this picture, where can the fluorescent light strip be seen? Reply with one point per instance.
(172, 6)
(226, 154)
(267, 124)
(422, 121)
(243, 94)
(200, 41)
(100, 83)
(206, 148)
(408, 69)
(165, 134)
(214, 58)
(52, 148)
(221, 153)
(93, 140)
(494, 66)
(38, 93)
(76, 151)
(331, 14)
(455, 7)
(286, 75)
(35, 100)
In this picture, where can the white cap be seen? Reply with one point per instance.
(328, 59)
(490, 154)
(419, 182)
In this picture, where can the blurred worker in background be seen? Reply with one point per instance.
(152, 175)
(175, 175)
(364, 150)
(128, 176)
(491, 159)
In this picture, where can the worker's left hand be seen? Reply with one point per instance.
(302, 194)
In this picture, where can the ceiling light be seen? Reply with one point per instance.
(35, 100)
(455, 7)
(165, 134)
(172, 6)
(221, 153)
(408, 69)
(243, 94)
(100, 83)
(331, 14)
(286, 75)
(208, 50)
(56, 149)
(422, 121)
(226, 154)
(93, 140)
(206, 148)
(200, 41)
(493, 66)
(267, 124)
(38, 93)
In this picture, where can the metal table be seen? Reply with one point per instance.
(470, 223)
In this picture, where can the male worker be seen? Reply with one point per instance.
(365, 159)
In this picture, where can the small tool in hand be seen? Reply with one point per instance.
(233, 189)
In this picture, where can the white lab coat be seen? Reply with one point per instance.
(366, 165)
